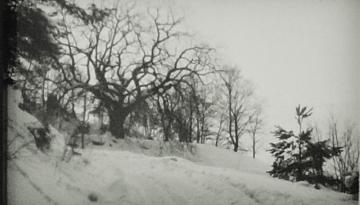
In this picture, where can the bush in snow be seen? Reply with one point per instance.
(352, 184)
(42, 137)
(297, 156)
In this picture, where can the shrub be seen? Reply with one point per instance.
(297, 156)
(93, 197)
(42, 137)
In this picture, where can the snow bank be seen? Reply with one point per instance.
(19, 137)
(145, 172)
(156, 148)
(213, 156)
(121, 177)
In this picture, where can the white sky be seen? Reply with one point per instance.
(296, 52)
(305, 52)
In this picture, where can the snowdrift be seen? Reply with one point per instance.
(20, 140)
(137, 172)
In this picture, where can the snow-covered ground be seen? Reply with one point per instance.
(137, 172)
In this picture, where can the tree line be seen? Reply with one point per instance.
(129, 67)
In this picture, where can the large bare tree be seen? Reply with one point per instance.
(122, 58)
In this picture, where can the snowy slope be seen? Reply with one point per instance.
(214, 176)
(121, 177)
(213, 156)
(19, 121)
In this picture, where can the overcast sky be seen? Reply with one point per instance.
(305, 52)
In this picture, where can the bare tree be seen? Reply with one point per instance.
(204, 110)
(254, 127)
(238, 92)
(348, 161)
(166, 108)
(220, 129)
(220, 108)
(123, 58)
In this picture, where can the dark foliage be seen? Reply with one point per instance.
(42, 137)
(298, 157)
(97, 143)
(93, 197)
(30, 30)
(316, 154)
(32, 35)
(352, 182)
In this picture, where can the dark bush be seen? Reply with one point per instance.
(93, 197)
(42, 137)
(83, 128)
(352, 184)
(97, 143)
(103, 129)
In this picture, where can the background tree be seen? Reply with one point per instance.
(220, 112)
(166, 109)
(204, 110)
(254, 128)
(348, 160)
(184, 114)
(220, 129)
(185, 111)
(238, 93)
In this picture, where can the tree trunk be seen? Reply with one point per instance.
(166, 129)
(197, 131)
(236, 130)
(202, 132)
(300, 155)
(253, 145)
(189, 138)
(219, 132)
(217, 141)
(84, 118)
(236, 147)
(230, 117)
(116, 125)
(43, 93)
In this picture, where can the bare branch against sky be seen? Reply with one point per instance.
(299, 51)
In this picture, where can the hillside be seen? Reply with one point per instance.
(136, 172)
